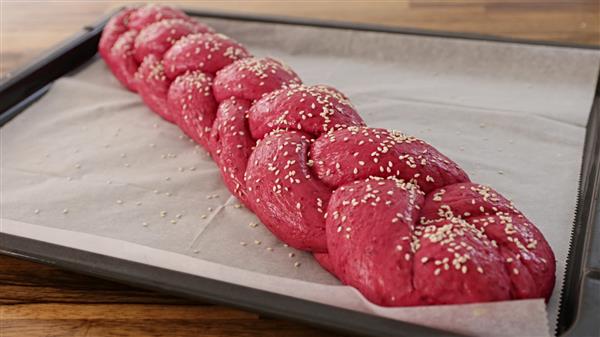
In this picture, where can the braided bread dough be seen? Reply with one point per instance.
(385, 212)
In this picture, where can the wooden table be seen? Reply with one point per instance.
(37, 300)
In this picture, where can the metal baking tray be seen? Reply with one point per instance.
(580, 305)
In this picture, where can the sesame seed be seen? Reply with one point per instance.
(36, 211)
(290, 255)
(145, 224)
(296, 264)
(243, 244)
(120, 202)
(65, 211)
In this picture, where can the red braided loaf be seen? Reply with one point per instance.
(386, 213)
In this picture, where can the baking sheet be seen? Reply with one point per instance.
(513, 116)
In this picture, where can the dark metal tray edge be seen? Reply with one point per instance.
(581, 290)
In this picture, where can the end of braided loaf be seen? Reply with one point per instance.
(385, 212)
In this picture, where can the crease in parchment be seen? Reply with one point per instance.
(86, 178)
(447, 104)
(208, 221)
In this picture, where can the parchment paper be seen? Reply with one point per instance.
(89, 166)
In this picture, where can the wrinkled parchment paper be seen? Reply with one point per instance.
(90, 167)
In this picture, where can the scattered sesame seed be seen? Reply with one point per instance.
(36, 211)
(65, 211)
(145, 224)
(120, 202)
(297, 264)
(257, 242)
(290, 255)
(243, 244)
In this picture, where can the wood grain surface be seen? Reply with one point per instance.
(37, 300)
